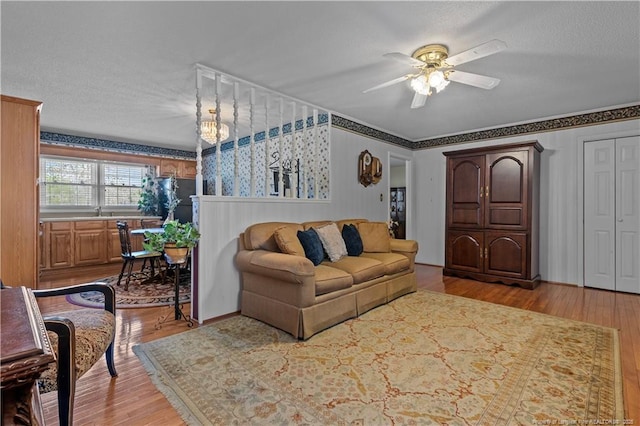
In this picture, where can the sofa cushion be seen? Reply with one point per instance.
(312, 245)
(393, 262)
(330, 279)
(332, 241)
(287, 240)
(375, 237)
(352, 240)
(260, 235)
(360, 268)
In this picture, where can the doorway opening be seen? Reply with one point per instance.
(399, 196)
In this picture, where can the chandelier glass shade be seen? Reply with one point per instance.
(209, 130)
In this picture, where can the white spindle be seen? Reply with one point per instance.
(293, 179)
(315, 153)
(303, 160)
(252, 147)
(280, 150)
(266, 146)
(236, 165)
(218, 144)
(199, 181)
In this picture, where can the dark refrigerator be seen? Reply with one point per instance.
(186, 188)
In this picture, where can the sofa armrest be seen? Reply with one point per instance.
(408, 248)
(281, 266)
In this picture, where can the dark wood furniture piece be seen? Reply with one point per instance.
(492, 215)
(25, 353)
(398, 210)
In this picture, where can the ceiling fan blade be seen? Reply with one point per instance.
(476, 80)
(485, 49)
(388, 83)
(405, 59)
(418, 100)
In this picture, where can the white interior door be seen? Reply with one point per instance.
(627, 214)
(611, 214)
(599, 214)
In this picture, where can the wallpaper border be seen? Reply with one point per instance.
(579, 120)
(52, 138)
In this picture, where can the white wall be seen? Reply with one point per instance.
(560, 197)
(222, 219)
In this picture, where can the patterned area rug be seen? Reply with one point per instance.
(140, 294)
(426, 358)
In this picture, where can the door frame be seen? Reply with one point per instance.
(408, 161)
(581, 140)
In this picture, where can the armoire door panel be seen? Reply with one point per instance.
(506, 216)
(506, 190)
(466, 193)
(465, 251)
(506, 254)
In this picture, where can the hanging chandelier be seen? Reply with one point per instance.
(209, 129)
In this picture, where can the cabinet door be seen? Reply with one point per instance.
(188, 170)
(60, 253)
(170, 167)
(113, 246)
(90, 247)
(506, 190)
(464, 250)
(506, 254)
(465, 192)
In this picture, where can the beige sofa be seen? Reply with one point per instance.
(290, 293)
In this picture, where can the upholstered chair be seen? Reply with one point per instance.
(79, 337)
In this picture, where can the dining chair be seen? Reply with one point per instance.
(129, 257)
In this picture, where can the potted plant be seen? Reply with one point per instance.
(149, 200)
(176, 241)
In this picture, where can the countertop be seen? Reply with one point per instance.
(86, 218)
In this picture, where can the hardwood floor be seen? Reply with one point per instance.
(132, 399)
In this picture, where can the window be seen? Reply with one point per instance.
(88, 184)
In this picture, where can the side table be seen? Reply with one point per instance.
(25, 352)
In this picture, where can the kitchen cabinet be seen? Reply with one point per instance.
(84, 242)
(492, 214)
(178, 168)
(60, 248)
(90, 243)
(19, 209)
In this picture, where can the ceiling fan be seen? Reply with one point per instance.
(435, 69)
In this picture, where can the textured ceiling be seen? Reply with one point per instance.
(126, 70)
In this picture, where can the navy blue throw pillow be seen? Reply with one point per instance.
(312, 245)
(352, 240)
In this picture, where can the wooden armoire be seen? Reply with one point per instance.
(492, 219)
(19, 208)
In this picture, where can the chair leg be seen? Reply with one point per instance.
(110, 360)
(126, 284)
(124, 265)
(66, 379)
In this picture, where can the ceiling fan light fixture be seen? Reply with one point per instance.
(209, 129)
(421, 85)
(436, 78)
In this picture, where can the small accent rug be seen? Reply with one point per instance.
(139, 295)
(426, 358)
